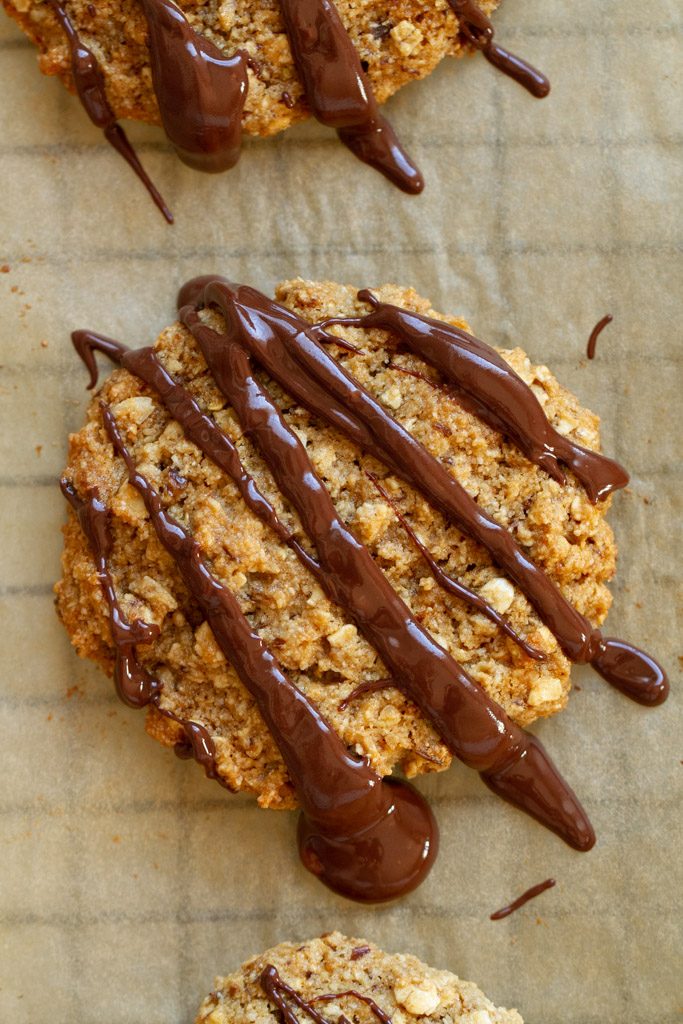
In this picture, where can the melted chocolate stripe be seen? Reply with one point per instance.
(530, 894)
(504, 400)
(478, 29)
(339, 92)
(361, 587)
(134, 685)
(455, 587)
(90, 86)
(595, 334)
(201, 92)
(475, 728)
(369, 686)
(348, 811)
(201, 429)
(289, 349)
(198, 427)
(276, 990)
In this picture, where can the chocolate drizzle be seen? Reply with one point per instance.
(595, 333)
(530, 894)
(478, 30)
(474, 727)
(283, 996)
(453, 586)
(352, 820)
(495, 392)
(90, 86)
(366, 838)
(200, 91)
(289, 349)
(339, 92)
(134, 685)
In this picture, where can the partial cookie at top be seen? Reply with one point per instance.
(402, 987)
(320, 649)
(397, 43)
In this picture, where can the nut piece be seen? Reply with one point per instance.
(134, 410)
(418, 999)
(392, 397)
(346, 634)
(407, 37)
(499, 593)
(545, 691)
(226, 15)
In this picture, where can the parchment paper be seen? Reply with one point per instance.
(128, 880)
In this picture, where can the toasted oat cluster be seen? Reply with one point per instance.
(398, 42)
(313, 639)
(401, 986)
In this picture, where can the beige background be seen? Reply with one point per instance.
(127, 879)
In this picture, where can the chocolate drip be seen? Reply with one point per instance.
(503, 399)
(288, 348)
(352, 822)
(534, 891)
(134, 685)
(478, 30)
(595, 333)
(200, 91)
(278, 992)
(90, 86)
(339, 92)
(475, 728)
(455, 587)
(346, 571)
(365, 838)
(369, 686)
(199, 427)
(198, 745)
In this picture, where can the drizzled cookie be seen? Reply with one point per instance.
(329, 535)
(335, 979)
(208, 71)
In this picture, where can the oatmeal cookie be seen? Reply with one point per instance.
(397, 43)
(370, 987)
(316, 642)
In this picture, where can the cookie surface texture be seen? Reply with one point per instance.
(316, 643)
(403, 988)
(397, 43)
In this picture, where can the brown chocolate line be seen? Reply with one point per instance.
(357, 591)
(134, 685)
(478, 29)
(289, 349)
(455, 587)
(91, 89)
(503, 399)
(276, 989)
(365, 837)
(475, 728)
(202, 430)
(595, 333)
(198, 427)
(535, 890)
(369, 686)
(339, 92)
(201, 92)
